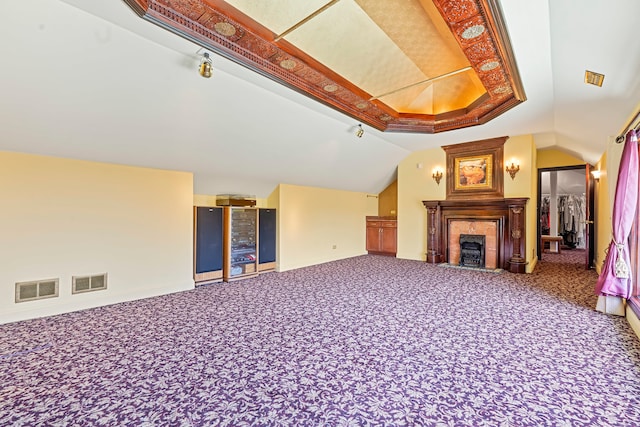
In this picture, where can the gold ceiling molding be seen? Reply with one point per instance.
(421, 66)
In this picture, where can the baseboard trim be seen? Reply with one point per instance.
(632, 316)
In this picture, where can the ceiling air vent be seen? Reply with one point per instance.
(38, 289)
(82, 284)
(593, 78)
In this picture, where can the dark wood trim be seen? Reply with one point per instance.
(499, 28)
(509, 213)
(254, 47)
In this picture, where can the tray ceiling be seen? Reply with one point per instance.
(414, 66)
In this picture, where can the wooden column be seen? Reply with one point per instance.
(434, 251)
(517, 262)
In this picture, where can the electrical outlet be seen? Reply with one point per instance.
(334, 246)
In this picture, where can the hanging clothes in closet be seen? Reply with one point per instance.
(545, 220)
(571, 222)
(571, 219)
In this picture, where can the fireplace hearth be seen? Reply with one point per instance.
(472, 250)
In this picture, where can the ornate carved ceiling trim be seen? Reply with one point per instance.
(216, 26)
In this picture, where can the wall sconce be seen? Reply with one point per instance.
(437, 176)
(513, 169)
(596, 175)
(205, 66)
(359, 131)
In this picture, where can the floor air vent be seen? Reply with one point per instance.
(39, 289)
(89, 283)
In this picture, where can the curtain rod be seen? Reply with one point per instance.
(628, 127)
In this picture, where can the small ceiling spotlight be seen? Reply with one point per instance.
(360, 131)
(205, 66)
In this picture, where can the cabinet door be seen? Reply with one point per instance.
(388, 240)
(241, 256)
(373, 238)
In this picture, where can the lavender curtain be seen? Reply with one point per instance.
(615, 278)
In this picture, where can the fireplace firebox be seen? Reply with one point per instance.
(472, 250)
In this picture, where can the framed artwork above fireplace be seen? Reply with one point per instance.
(474, 169)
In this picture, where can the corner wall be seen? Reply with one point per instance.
(311, 221)
(416, 184)
(64, 217)
(522, 149)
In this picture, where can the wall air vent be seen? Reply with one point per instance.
(38, 289)
(82, 284)
(592, 78)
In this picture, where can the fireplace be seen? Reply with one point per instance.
(501, 221)
(472, 250)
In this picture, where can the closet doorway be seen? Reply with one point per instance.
(566, 208)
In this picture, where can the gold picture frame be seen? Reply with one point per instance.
(474, 169)
(473, 172)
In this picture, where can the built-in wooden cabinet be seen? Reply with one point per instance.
(240, 243)
(382, 235)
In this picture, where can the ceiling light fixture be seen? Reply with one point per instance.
(593, 78)
(205, 65)
(360, 131)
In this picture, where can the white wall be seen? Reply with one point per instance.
(61, 217)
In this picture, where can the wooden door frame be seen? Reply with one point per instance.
(588, 188)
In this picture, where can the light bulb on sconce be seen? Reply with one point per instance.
(437, 175)
(513, 169)
(596, 175)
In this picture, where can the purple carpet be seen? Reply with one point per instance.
(366, 341)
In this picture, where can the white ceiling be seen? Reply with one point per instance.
(570, 181)
(89, 79)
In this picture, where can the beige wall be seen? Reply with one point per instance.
(554, 158)
(608, 165)
(416, 184)
(388, 200)
(64, 217)
(521, 149)
(311, 221)
(602, 214)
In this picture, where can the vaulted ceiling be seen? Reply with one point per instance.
(91, 79)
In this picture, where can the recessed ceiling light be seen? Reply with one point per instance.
(593, 78)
